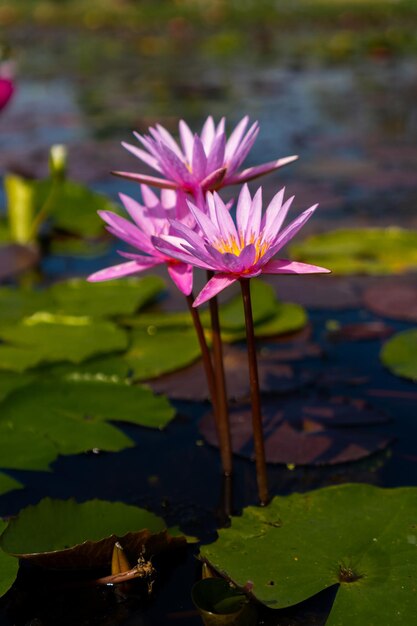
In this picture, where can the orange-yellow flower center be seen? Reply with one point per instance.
(234, 246)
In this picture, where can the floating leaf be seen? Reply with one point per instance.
(361, 251)
(219, 604)
(46, 337)
(307, 431)
(22, 448)
(9, 381)
(399, 354)
(8, 567)
(155, 351)
(119, 297)
(391, 299)
(318, 292)
(73, 207)
(275, 376)
(7, 483)
(358, 537)
(111, 369)
(62, 533)
(361, 331)
(18, 303)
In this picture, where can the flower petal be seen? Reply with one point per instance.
(284, 266)
(117, 271)
(182, 276)
(214, 180)
(207, 134)
(187, 140)
(142, 155)
(260, 170)
(254, 218)
(213, 287)
(199, 160)
(147, 180)
(235, 138)
(243, 209)
(215, 158)
(171, 247)
(224, 220)
(288, 233)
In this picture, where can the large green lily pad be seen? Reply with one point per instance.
(18, 303)
(118, 297)
(7, 483)
(399, 354)
(359, 537)
(8, 567)
(46, 337)
(62, 533)
(361, 251)
(9, 381)
(22, 448)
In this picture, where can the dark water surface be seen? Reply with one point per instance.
(355, 127)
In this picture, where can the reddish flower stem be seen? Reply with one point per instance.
(220, 383)
(258, 435)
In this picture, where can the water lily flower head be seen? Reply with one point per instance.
(237, 251)
(152, 218)
(6, 83)
(200, 163)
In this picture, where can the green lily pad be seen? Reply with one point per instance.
(287, 318)
(155, 351)
(46, 337)
(62, 533)
(359, 537)
(361, 251)
(8, 567)
(399, 354)
(118, 297)
(18, 303)
(73, 207)
(9, 381)
(111, 369)
(22, 448)
(7, 483)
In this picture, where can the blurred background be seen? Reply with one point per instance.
(331, 80)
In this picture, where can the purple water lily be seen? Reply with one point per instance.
(244, 250)
(201, 163)
(149, 220)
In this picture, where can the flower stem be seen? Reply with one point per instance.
(220, 384)
(258, 436)
(224, 441)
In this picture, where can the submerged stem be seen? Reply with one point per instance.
(220, 383)
(258, 436)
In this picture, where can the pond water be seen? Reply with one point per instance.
(355, 129)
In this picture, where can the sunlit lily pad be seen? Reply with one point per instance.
(73, 207)
(8, 567)
(307, 431)
(18, 303)
(155, 351)
(7, 483)
(361, 251)
(399, 354)
(64, 534)
(46, 337)
(359, 537)
(118, 297)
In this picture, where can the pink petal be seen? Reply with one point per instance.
(209, 229)
(142, 155)
(214, 180)
(283, 266)
(260, 170)
(255, 216)
(117, 271)
(125, 230)
(275, 216)
(243, 149)
(213, 287)
(170, 247)
(182, 276)
(155, 259)
(224, 221)
(293, 228)
(235, 138)
(215, 157)
(187, 140)
(173, 166)
(149, 197)
(147, 180)
(243, 209)
(247, 256)
(207, 134)
(199, 159)
(167, 139)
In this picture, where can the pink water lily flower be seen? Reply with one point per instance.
(6, 83)
(202, 162)
(152, 218)
(237, 251)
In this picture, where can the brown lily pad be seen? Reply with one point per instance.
(276, 376)
(307, 431)
(318, 292)
(361, 331)
(15, 259)
(394, 300)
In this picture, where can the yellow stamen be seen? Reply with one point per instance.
(232, 246)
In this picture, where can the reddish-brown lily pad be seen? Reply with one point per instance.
(361, 331)
(275, 375)
(15, 259)
(394, 300)
(318, 292)
(307, 431)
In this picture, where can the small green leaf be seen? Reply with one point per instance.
(8, 567)
(399, 354)
(155, 351)
(118, 297)
(62, 533)
(7, 483)
(359, 537)
(220, 604)
(361, 251)
(46, 337)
